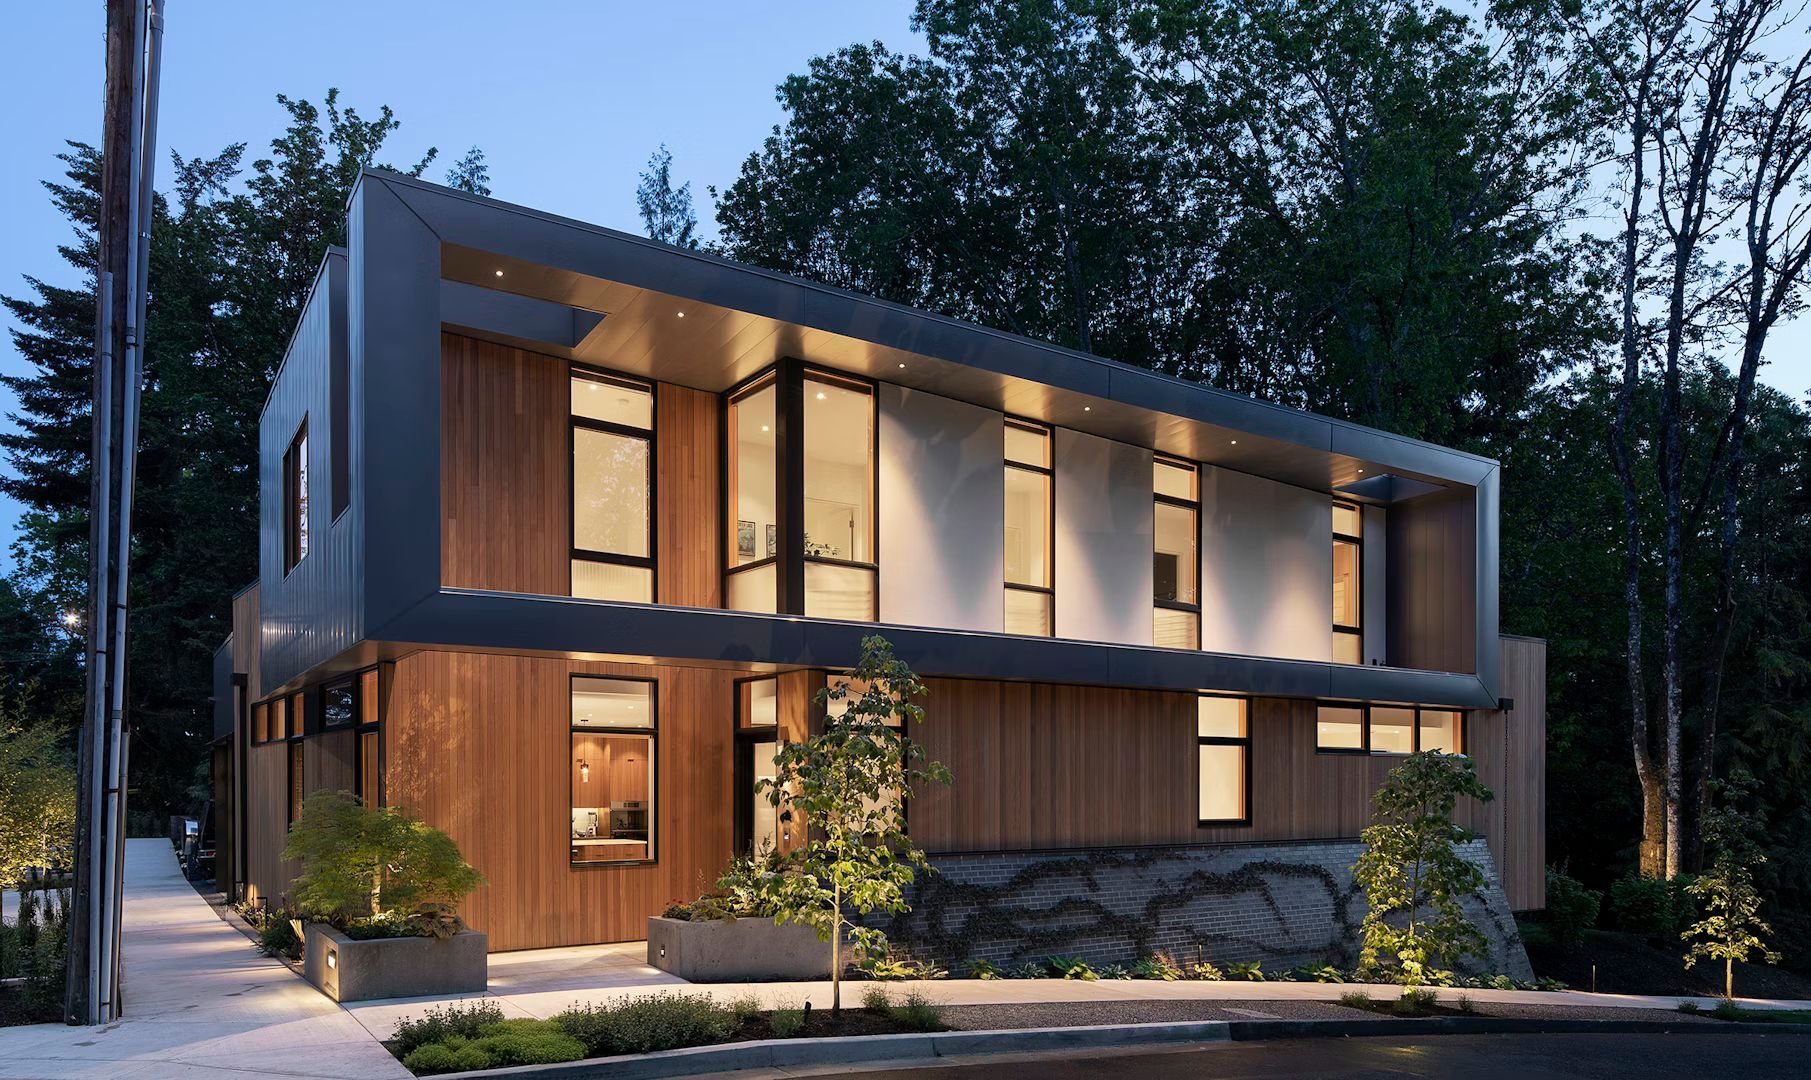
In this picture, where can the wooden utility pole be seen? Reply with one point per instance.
(128, 140)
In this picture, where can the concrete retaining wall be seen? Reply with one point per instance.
(1284, 904)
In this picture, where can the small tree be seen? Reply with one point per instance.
(1732, 926)
(37, 799)
(666, 211)
(848, 784)
(1412, 873)
(375, 862)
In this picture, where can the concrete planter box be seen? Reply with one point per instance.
(348, 970)
(746, 950)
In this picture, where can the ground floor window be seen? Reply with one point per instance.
(295, 780)
(1388, 729)
(613, 730)
(365, 709)
(758, 825)
(1223, 749)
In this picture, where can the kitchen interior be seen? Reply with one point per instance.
(612, 771)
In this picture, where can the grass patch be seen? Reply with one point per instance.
(1729, 1010)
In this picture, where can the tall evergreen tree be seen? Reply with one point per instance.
(470, 173)
(666, 211)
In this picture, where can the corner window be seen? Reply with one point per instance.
(295, 500)
(840, 566)
(1030, 597)
(612, 422)
(753, 545)
(1348, 581)
(1388, 729)
(1223, 750)
(612, 770)
(1175, 555)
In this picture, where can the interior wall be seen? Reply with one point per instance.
(1266, 567)
(1103, 539)
(1374, 597)
(942, 491)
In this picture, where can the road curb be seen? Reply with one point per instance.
(872, 1049)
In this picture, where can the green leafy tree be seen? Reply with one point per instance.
(470, 173)
(847, 785)
(666, 211)
(1732, 928)
(375, 862)
(37, 797)
(1413, 874)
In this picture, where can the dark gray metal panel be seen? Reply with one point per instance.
(467, 619)
(223, 689)
(395, 338)
(310, 613)
(1489, 644)
(534, 237)
(518, 319)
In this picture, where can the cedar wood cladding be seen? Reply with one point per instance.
(478, 745)
(506, 506)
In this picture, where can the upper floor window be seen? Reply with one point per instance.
(754, 519)
(1348, 583)
(1029, 593)
(1388, 729)
(838, 482)
(1175, 555)
(295, 500)
(612, 487)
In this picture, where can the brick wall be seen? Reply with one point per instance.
(1284, 904)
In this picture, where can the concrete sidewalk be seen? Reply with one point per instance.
(199, 1001)
(541, 983)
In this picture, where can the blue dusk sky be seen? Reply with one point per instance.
(567, 100)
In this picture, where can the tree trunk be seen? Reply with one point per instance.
(1729, 979)
(836, 951)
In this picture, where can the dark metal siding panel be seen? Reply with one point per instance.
(312, 612)
(223, 689)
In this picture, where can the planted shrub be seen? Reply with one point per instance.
(1571, 908)
(1246, 970)
(787, 1023)
(277, 937)
(875, 1000)
(1031, 969)
(1415, 1001)
(1070, 967)
(1157, 966)
(461, 1019)
(1205, 971)
(647, 1024)
(445, 1057)
(1650, 906)
(983, 969)
(1355, 999)
(1114, 971)
(365, 863)
(1321, 973)
(918, 1013)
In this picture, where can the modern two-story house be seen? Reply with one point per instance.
(563, 529)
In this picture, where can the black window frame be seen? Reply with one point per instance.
(652, 731)
(809, 373)
(1356, 630)
(1220, 740)
(574, 423)
(296, 497)
(1365, 728)
(361, 728)
(1048, 472)
(747, 739)
(1194, 509)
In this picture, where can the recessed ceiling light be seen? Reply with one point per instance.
(681, 314)
(1235, 442)
(763, 427)
(1361, 472)
(499, 273)
(820, 395)
(1087, 408)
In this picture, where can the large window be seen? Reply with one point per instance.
(1029, 593)
(1223, 748)
(839, 458)
(612, 770)
(295, 500)
(1175, 556)
(754, 521)
(1388, 729)
(1348, 583)
(612, 487)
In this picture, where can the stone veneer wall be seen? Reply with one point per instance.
(1285, 904)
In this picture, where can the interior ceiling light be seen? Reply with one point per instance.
(1235, 442)
(1087, 408)
(499, 273)
(681, 314)
(820, 395)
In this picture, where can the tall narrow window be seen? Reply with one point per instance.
(612, 487)
(840, 566)
(370, 740)
(612, 770)
(758, 825)
(295, 780)
(295, 500)
(1030, 596)
(753, 544)
(1348, 575)
(1175, 556)
(1223, 749)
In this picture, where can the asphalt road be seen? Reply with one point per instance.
(1473, 1057)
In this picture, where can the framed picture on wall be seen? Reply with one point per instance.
(745, 538)
(773, 540)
